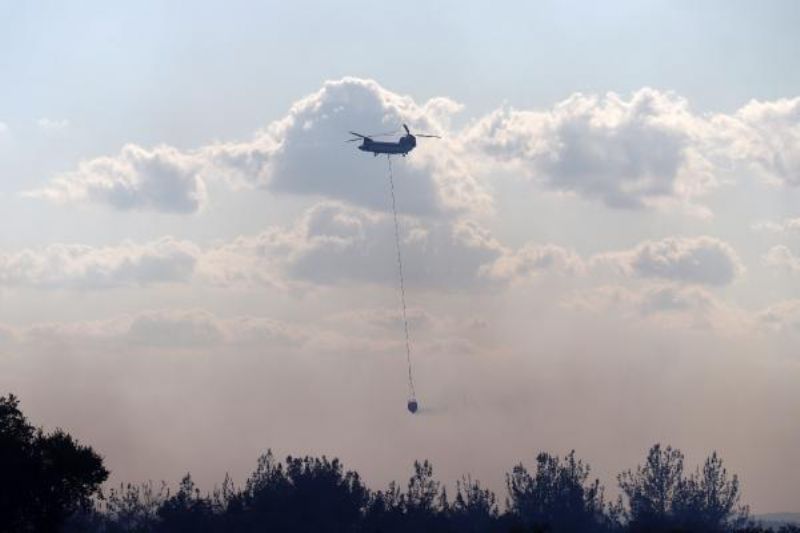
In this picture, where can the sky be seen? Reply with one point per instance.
(602, 251)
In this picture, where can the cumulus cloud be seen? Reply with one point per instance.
(159, 179)
(666, 305)
(330, 244)
(302, 153)
(787, 225)
(187, 329)
(782, 316)
(52, 125)
(700, 260)
(781, 257)
(7, 334)
(766, 136)
(195, 331)
(646, 150)
(382, 319)
(532, 260)
(82, 266)
(333, 243)
(309, 158)
(628, 153)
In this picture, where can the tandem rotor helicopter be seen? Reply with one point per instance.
(402, 146)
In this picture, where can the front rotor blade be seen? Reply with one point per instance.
(429, 136)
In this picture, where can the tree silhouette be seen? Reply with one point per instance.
(50, 483)
(653, 488)
(474, 508)
(131, 508)
(661, 498)
(558, 496)
(309, 494)
(45, 477)
(709, 500)
(186, 511)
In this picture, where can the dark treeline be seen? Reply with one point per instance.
(49, 482)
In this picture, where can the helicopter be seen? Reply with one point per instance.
(405, 144)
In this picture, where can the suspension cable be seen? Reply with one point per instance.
(402, 281)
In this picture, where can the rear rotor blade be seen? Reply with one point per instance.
(429, 136)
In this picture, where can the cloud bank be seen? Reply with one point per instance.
(649, 150)
(699, 260)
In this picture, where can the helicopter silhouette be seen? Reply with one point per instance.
(402, 146)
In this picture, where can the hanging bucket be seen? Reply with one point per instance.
(412, 405)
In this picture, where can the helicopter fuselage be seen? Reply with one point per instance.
(404, 145)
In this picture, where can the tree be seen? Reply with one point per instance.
(133, 508)
(709, 501)
(422, 489)
(474, 508)
(425, 503)
(308, 494)
(186, 511)
(661, 498)
(46, 477)
(558, 497)
(652, 489)
(423, 507)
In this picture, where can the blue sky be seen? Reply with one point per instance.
(612, 212)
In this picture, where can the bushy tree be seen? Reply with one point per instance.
(187, 510)
(652, 489)
(46, 477)
(308, 494)
(474, 508)
(133, 508)
(661, 498)
(709, 500)
(423, 507)
(558, 497)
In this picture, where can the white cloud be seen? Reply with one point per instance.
(785, 226)
(532, 260)
(333, 243)
(701, 260)
(782, 316)
(330, 244)
(647, 150)
(311, 159)
(767, 138)
(669, 306)
(7, 335)
(193, 330)
(86, 267)
(782, 258)
(52, 125)
(627, 153)
(160, 179)
(302, 153)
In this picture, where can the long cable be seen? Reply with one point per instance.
(402, 281)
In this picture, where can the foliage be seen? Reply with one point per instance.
(558, 496)
(46, 477)
(51, 482)
(661, 498)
